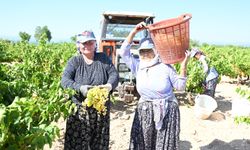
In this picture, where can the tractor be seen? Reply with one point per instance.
(115, 27)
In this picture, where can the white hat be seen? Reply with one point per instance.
(85, 36)
(194, 51)
(146, 43)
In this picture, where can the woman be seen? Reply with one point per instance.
(89, 68)
(156, 124)
(212, 75)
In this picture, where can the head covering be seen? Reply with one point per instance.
(146, 43)
(194, 51)
(145, 64)
(85, 36)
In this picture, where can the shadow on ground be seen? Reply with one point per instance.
(239, 144)
(121, 106)
(224, 104)
(185, 98)
(185, 145)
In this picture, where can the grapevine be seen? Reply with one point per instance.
(245, 93)
(97, 98)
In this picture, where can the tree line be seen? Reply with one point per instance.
(40, 33)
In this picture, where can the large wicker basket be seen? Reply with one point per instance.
(171, 38)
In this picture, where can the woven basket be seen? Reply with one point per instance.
(171, 38)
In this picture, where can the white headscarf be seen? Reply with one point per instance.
(147, 43)
(146, 64)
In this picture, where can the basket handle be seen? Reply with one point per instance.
(186, 16)
(183, 18)
(147, 20)
(146, 26)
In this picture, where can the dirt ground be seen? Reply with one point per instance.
(218, 132)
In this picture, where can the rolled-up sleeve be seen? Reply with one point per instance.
(178, 82)
(127, 57)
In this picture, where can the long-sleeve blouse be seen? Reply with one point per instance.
(78, 72)
(210, 72)
(156, 82)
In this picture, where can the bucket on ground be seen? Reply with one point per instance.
(204, 106)
(171, 38)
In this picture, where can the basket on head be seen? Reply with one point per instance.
(171, 38)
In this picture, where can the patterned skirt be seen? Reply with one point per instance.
(144, 136)
(86, 130)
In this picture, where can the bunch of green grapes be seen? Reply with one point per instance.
(97, 98)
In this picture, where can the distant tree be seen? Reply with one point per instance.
(205, 44)
(73, 38)
(41, 32)
(194, 43)
(5, 41)
(24, 36)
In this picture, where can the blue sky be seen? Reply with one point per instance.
(213, 21)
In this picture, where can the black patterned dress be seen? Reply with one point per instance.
(86, 130)
(144, 135)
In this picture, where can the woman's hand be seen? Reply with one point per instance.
(186, 59)
(84, 89)
(183, 71)
(139, 27)
(107, 86)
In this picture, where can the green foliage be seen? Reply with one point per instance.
(243, 92)
(42, 33)
(31, 97)
(26, 123)
(194, 43)
(241, 119)
(73, 39)
(231, 61)
(195, 77)
(5, 55)
(25, 37)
